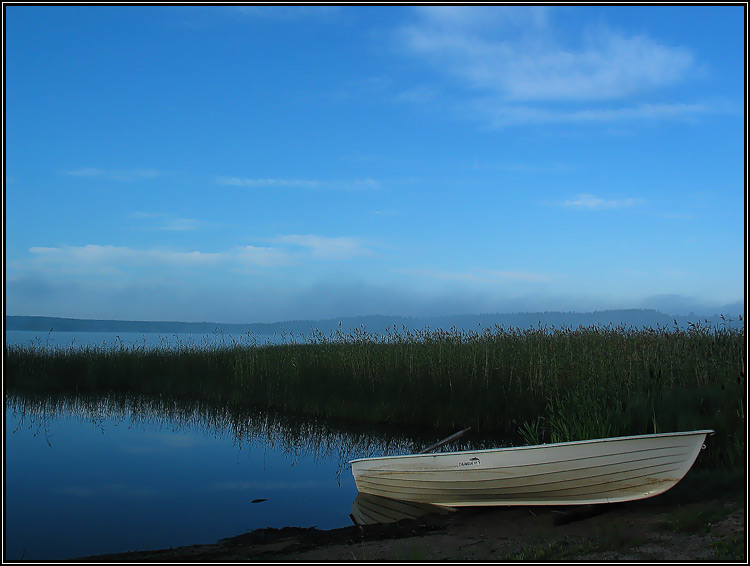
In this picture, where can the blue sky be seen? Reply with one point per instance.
(255, 164)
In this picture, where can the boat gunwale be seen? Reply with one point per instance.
(706, 432)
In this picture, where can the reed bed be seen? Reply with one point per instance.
(535, 385)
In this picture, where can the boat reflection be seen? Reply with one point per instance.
(372, 509)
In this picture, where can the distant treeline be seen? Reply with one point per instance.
(381, 324)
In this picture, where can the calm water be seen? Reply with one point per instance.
(127, 339)
(93, 476)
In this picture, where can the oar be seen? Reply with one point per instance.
(451, 438)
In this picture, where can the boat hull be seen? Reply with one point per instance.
(606, 470)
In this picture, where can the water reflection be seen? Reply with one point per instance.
(372, 509)
(295, 436)
(100, 474)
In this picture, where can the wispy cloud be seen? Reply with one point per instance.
(114, 175)
(354, 185)
(108, 260)
(591, 202)
(105, 258)
(511, 51)
(524, 71)
(327, 247)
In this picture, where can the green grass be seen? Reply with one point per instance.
(565, 549)
(731, 548)
(691, 521)
(538, 384)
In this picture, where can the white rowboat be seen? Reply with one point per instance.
(606, 470)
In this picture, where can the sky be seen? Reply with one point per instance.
(266, 163)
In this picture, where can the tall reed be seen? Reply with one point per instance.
(541, 384)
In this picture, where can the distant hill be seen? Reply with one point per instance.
(636, 318)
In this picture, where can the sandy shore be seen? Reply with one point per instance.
(658, 529)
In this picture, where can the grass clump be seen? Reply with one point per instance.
(565, 549)
(731, 548)
(691, 521)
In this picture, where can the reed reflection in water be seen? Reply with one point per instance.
(102, 474)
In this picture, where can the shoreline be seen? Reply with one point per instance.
(660, 528)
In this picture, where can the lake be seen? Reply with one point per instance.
(130, 339)
(100, 475)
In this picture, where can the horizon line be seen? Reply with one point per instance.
(418, 317)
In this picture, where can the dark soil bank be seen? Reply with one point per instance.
(655, 529)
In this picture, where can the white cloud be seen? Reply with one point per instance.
(325, 247)
(111, 255)
(518, 61)
(108, 258)
(592, 202)
(527, 64)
